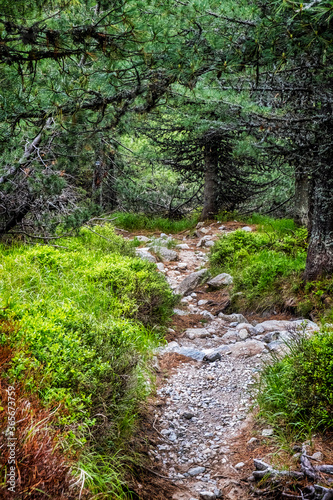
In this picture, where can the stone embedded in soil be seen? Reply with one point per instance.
(207, 495)
(239, 318)
(240, 465)
(267, 433)
(243, 334)
(166, 254)
(160, 267)
(196, 333)
(145, 255)
(247, 348)
(188, 415)
(143, 239)
(248, 229)
(183, 246)
(191, 282)
(195, 471)
(215, 356)
(220, 280)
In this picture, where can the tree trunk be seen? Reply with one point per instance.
(303, 195)
(319, 260)
(210, 206)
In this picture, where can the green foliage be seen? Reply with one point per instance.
(132, 221)
(89, 315)
(260, 262)
(296, 393)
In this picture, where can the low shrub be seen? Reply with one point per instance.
(296, 392)
(132, 221)
(88, 315)
(261, 262)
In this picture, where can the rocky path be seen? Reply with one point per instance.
(202, 406)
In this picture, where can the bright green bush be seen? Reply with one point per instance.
(261, 261)
(132, 221)
(297, 391)
(90, 314)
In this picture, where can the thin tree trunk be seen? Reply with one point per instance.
(319, 261)
(210, 206)
(303, 195)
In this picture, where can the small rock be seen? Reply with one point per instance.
(243, 334)
(297, 448)
(215, 356)
(230, 337)
(202, 302)
(204, 230)
(253, 440)
(220, 280)
(240, 465)
(182, 266)
(179, 312)
(270, 337)
(163, 235)
(199, 225)
(267, 432)
(207, 495)
(191, 282)
(196, 333)
(183, 246)
(247, 348)
(187, 415)
(196, 471)
(143, 239)
(166, 254)
(248, 229)
(222, 228)
(233, 324)
(209, 243)
(233, 317)
(145, 255)
(190, 352)
(160, 267)
(207, 314)
(318, 456)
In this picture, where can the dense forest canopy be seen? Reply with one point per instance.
(232, 101)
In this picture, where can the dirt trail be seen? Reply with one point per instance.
(201, 411)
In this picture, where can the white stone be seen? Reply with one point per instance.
(202, 302)
(240, 465)
(267, 432)
(248, 229)
(243, 333)
(143, 239)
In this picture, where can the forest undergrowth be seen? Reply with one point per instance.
(86, 315)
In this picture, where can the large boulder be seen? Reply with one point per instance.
(191, 282)
(220, 280)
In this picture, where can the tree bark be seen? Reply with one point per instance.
(303, 195)
(210, 206)
(319, 260)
